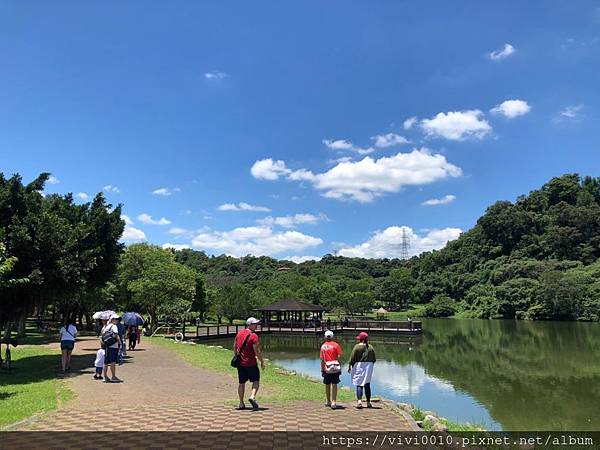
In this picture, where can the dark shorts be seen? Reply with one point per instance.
(331, 378)
(251, 374)
(112, 355)
(98, 370)
(67, 345)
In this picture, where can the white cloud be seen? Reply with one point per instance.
(126, 219)
(457, 125)
(388, 243)
(267, 169)
(571, 112)
(215, 76)
(131, 234)
(502, 53)
(53, 180)
(408, 123)
(165, 192)
(175, 246)
(111, 188)
(291, 221)
(365, 180)
(389, 140)
(259, 240)
(177, 231)
(148, 220)
(511, 108)
(242, 207)
(301, 259)
(343, 145)
(440, 201)
(82, 196)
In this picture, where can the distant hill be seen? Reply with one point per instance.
(537, 258)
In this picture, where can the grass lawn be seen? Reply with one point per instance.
(33, 386)
(283, 386)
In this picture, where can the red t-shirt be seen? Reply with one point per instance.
(330, 351)
(247, 356)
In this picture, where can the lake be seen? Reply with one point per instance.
(504, 375)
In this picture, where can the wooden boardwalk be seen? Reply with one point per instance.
(399, 328)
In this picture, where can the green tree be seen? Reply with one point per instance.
(156, 282)
(396, 290)
(232, 302)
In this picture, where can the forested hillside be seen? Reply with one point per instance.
(536, 258)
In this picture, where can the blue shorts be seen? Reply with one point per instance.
(99, 370)
(112, 355)
(67, 345)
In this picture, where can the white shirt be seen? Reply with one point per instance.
(64, 336)
(112, 327)
(99, 358)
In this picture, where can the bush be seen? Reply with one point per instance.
(441, 306)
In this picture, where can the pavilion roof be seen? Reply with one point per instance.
(291, 304)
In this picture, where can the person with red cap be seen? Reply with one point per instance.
(362, 361)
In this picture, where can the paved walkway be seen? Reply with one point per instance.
(161, 392)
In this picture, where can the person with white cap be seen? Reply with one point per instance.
(111, 340)
(330, 368)
(247, 346)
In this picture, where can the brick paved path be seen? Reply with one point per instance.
(161, 392)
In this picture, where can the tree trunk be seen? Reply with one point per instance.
(7, 331)
(80, 317)
(88, 322)
(21, 330)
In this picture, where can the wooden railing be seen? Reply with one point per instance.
(226, 330)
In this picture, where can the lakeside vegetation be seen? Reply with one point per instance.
(536, 258)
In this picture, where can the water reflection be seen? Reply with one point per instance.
(502, 374)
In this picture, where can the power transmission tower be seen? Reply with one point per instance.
(404, 245)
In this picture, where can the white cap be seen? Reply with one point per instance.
(252, 321)
(114, 316)
(329, 334)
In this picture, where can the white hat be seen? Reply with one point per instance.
(252, 321)
(329, 334)
(114, 316)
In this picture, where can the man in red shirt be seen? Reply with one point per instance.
(330, 367)
(247, 345)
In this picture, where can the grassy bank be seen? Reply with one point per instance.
(419, 415)
(282, 385)
(33, 386)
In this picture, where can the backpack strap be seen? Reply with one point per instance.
(244, 344)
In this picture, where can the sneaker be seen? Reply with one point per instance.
(107, 380)
(333, 406)
(241, 406)
(253, 403)
(116, 380)
(369, 405)
(359, 404)
(327, 404)
(95, 377)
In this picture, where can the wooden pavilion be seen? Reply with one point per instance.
(290, 311)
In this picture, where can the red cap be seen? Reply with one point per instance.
(362, 336)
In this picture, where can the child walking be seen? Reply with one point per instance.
(99, 363)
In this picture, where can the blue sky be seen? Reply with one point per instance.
(279, 106)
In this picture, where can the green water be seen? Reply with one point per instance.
(502, 374)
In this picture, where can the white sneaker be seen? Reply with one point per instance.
(328, 404)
